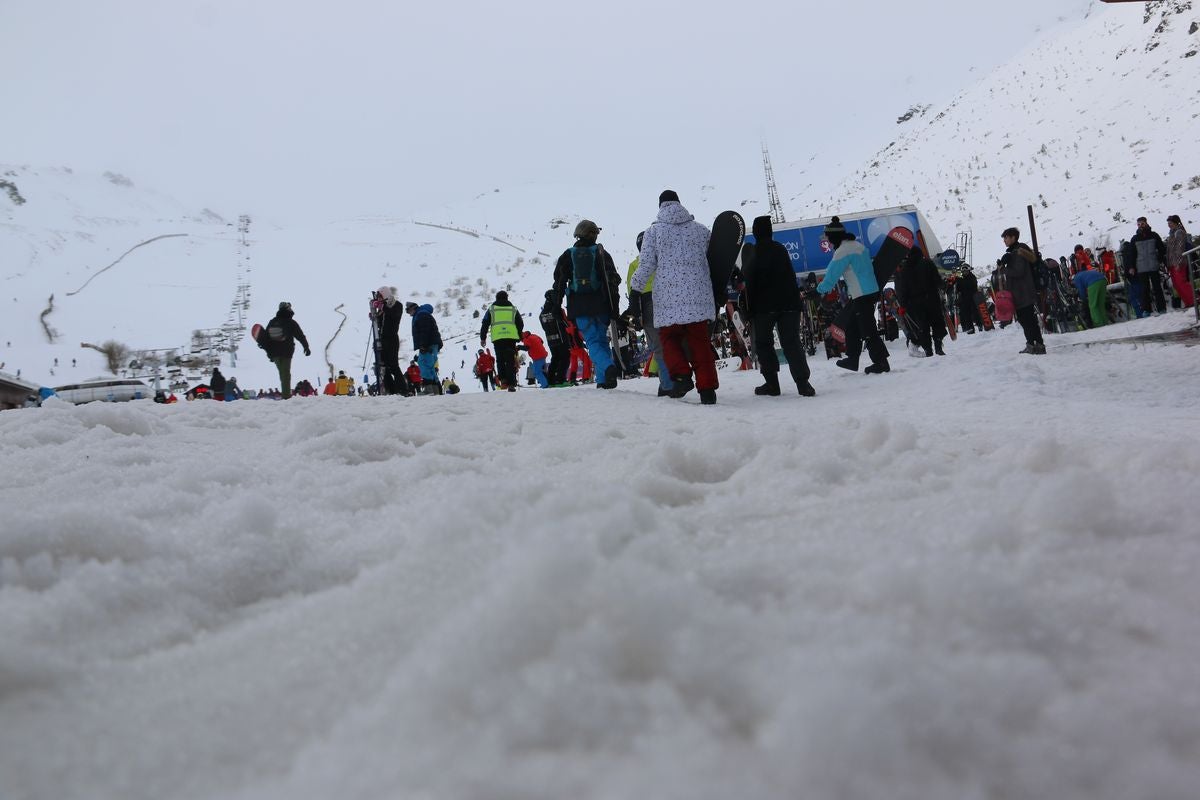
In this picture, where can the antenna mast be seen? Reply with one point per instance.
(772, 192)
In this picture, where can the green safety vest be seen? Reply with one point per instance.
(504, 322)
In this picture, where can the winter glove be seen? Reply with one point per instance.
(307, 352)
(425, 350)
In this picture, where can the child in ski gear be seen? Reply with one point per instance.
(586, 276)
(1093, 291)
(641, 317)
(1149, 252)
(554, 325)
(532, 344)
(505, 325)
(484, 369)
(1016, 266)
(428, 341)
(675, 254)
(850, 261)
(773, 300)
(331, 388)
(414, 374)
(918, 289)
(279, 339)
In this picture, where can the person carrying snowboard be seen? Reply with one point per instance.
(586, 276)
(773, 300)
(505, 325)
(279, 339)
(850, 261)
(428, 341)
(918, 288)
(675, 254)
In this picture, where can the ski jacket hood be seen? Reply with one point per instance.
(672, 212)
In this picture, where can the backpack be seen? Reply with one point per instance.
(585, 270)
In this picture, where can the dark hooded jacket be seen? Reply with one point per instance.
(290, 330)
(1016, 266)
(918, 282)
(770, 279)
(425, 331)
(553, 322)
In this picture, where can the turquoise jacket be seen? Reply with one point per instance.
(850, 261)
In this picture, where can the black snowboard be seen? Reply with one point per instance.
(891, 255)
(728, 232)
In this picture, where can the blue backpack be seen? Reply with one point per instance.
(585, 270)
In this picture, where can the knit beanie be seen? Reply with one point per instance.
(835, 228)
(667, 196)
(501, 296)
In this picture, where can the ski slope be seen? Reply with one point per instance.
(971, 577)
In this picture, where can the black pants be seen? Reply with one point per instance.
(1027, 317)
(560, 358)
(788, 323)
(1152, 287)
(392, 377)
(506, 361)
(862, 328)
(926, 323)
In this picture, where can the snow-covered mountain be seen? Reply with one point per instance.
(90, 258)
(1093, 126)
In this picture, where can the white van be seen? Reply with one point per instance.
(112, 390)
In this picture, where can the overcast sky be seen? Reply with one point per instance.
(295, 106)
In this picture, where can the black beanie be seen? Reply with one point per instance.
(835, 228)
(762, 228)
(501, 296)
(667, 196)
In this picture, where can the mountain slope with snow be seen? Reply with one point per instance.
(1093, 128)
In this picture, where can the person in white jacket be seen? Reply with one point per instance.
(675, 253)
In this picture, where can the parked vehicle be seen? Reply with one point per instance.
(110, 390)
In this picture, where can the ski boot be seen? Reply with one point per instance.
(683, 385)
(878, 369)
(708, 397)
(771, 387)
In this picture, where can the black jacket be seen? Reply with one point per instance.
(918, 284)
(389, 321)
(554, 324)
(425, 331)
(588, 304)
(770, 279)
(286, 348)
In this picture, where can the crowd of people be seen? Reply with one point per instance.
(674, 326)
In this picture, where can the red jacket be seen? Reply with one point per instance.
(533, 342)
(414, 373)
(484, 364)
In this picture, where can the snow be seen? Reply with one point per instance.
(972, 577)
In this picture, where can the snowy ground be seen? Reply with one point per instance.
(972, 578)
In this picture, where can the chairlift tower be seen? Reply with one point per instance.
(772, 192)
